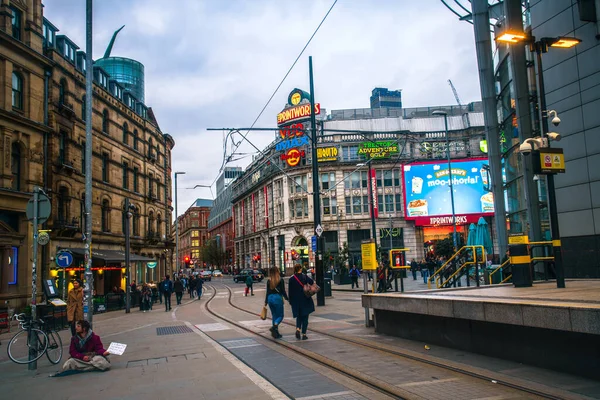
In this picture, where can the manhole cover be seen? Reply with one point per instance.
(172, 330)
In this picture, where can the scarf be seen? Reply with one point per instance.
(82, 341)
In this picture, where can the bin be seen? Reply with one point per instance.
(520, 265)
(327, 288)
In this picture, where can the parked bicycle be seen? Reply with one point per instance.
(35, 339)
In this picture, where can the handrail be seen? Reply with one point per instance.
(500, 267)
(443, 266)
(455, 272)
(505, 279)
(473, 248)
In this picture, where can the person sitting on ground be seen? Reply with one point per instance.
(86, 350)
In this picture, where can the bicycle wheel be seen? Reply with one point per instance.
(23, 350)
(55, 348)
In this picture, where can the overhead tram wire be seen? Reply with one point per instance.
(280, 84)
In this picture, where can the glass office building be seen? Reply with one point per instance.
(127, 72)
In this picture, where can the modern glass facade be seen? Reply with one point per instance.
(127, 72)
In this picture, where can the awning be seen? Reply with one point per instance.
(109, 256)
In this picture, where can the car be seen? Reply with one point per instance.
(257, 276)
(216, 273)
(205, 275)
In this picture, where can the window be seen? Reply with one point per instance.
(350, 153)
(195, 224)
(327, 181)
(105, 121)
(105, 217)
(125, 134)
(135, 139)
(83, 108)
(279, 213)
(195, 243)
(14, 266)
(298, 184)
(150, 223)
(278, 191)
(357, 204)
(388, 205)
(195, 234)
(105, 161)
(196, 254)
(49, 35)
(136, 173)
(17, 91)
(62, 90)
(69, 52)
(62, 147)
(299, 208)
(16, 23)
(157, 189)
(63, 204)
(125, 175)
(355, 180)
(158, 224)
(136, 222)
(15, 166)
(150, 186)
(329, 206)
(150, 148)
(83, 157)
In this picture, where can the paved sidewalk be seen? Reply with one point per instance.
(170, 366)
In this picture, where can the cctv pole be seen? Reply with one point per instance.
(553, 212)
(316, 192)
(88, 306)
(127, 261)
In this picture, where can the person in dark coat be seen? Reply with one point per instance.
(302, 305)
(166, 288)
(192, 286)
(178, 289)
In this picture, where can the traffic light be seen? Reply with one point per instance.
(186, 260)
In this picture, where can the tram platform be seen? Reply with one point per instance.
(540, 325)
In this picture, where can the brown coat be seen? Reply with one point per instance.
(75, 305)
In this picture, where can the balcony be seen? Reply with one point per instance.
(66, 109)
(66, 227)
(64, 165)
(152, 196)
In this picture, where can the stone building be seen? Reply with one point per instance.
(193, 232)
(43, 139)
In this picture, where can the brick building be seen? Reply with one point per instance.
(193, 232)
(42, 131)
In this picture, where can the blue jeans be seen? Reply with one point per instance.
(425, 274)
(275, 302)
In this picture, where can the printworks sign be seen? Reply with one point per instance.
(378, 149)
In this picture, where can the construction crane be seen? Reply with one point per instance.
(466, 114)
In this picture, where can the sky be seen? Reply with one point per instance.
(216, 63)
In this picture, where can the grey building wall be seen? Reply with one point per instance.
(572, 83)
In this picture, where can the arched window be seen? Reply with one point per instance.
(105, 121)
(136, 222)
(135, 139)
(62, 91)
(150, 227)
(83, 108)
(125, 133)
(17, 91)
(105, 218)
(158, 225)
(63, 205)
(15, 166)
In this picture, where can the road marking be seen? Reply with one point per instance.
(212, 327)
(258, 380)
(325, 395)
(257, 323)
(239, 343)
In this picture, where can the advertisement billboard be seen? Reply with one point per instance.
(427, 198)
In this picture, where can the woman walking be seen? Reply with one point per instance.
(274, 298)
(302, 305)
(75, 305)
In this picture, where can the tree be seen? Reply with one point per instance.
(445, 247)
(213, 254)
(342, 258)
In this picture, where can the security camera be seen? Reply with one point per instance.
(556, 121)
(554, 136)
(525, 148)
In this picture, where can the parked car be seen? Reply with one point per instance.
(257, 276)
(205, 275)
(217, 273)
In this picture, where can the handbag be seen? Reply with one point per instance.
(263, 313)
(309, 290)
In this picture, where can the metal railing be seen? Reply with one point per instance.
(474, 261)
(505, 263)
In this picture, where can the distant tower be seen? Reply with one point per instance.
(127, 72)
(384, 98)
(229, 175)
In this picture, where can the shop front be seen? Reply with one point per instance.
(429, 204)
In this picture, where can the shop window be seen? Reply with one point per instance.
(16, 22)
(105, 216)
(17, 91)
(15, 166)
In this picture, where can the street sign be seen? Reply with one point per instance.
(151, 264)
(64, 258)
(44, 208)
(314, 243)
(319, 230)
(368, 255)
(43, 238)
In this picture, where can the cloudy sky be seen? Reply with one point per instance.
(215, 63)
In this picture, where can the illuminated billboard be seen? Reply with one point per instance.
(427, 198)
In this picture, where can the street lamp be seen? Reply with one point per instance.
(541, 46)
(203, 186)
(454, 236)
(177, 225)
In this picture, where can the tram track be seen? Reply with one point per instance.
(384, 387)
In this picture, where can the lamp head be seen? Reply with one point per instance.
(512, 37)
(553, 136)
(440, 112)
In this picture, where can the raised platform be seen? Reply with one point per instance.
(540, 325)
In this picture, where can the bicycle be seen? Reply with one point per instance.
(31, 343)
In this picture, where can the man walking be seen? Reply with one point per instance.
(354, 274)
(166, 288)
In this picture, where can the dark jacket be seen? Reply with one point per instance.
(279, 289)
(354, 273)
(192, 283)
(178, 287)
(301, 305)
(93, 345)
(166, 286)
(249, 280)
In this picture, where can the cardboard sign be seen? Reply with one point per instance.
(117, 348)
